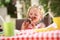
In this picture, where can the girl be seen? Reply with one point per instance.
(35, 15)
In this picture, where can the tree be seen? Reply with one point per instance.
(3, 2)
(55, 6)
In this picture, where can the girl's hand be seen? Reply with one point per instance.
(25, 25)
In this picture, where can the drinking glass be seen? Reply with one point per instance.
(8, 28)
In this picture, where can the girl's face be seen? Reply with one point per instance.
(34, 15)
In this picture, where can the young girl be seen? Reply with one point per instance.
(35, 16)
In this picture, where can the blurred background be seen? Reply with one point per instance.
(17, 9)
(11, 8)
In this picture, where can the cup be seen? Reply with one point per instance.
(57, 21)
(8, 29)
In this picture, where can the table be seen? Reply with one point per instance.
(31, 35)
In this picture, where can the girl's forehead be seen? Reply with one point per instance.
(34, 10)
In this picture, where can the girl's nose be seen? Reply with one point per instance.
(33, 15)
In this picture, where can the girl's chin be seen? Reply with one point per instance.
(34, 22)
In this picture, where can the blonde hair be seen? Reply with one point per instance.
(40, 8)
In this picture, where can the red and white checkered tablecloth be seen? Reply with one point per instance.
(30, 35)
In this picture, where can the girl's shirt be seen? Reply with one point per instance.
(40, 25)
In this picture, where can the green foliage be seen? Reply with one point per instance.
(45, 4)
(27, 3)
(3, 2)
(55, 6)
(7, 1)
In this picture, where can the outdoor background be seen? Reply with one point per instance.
(11, 9)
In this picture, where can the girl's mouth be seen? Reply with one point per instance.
(32, 18)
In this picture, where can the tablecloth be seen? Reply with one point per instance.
(31, 35)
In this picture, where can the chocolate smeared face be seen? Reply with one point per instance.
(34, 15)
(28, 20)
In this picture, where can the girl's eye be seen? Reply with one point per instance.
(30, 13)
(35, 14)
